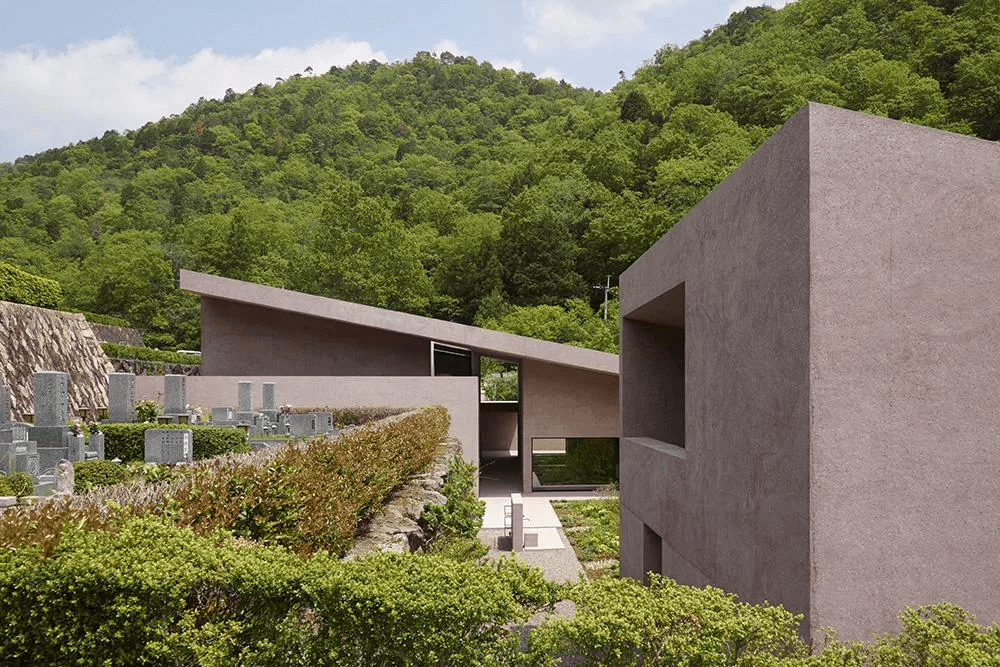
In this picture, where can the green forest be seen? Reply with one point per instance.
(445, 187)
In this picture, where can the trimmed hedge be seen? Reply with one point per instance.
(156, 594)
(19, 286)
(116, 351)
(127, 441)
(91, 474)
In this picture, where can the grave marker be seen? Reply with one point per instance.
(121, 397)
(174, 395)
(51, 398)
(169, 445)
(245, 397)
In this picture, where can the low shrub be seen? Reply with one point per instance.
(117, 351)
(127, 441)
(19, 286)
(92, 474)
(621, 622)
(150, 593)
(16, 484)
(311, 497)
(462, 515)
(146, 411)
(406, 609)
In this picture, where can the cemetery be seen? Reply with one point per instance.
(49, 436)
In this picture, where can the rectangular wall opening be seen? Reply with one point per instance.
(652, 552)
(653, 359)
(573, 463)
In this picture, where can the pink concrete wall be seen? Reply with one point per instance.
(841, 378)
(497, 429)
(459, 394)
(561, 402)
(237, 339)
(715, 422)
(905, 371)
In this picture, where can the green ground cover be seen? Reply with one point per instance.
(592, 529)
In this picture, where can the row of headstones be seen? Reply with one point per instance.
(38, 448)
(269, 420)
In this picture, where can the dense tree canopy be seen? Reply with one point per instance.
(445, 187)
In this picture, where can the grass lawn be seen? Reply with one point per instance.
(592, 528)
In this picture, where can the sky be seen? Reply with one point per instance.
(70, 71)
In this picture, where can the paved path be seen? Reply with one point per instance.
(499, 478)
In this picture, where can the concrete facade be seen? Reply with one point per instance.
(560, 402)
(323, 345)
(810, 402)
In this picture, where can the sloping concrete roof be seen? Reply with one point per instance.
(484, 341)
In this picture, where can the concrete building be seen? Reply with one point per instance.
(325, 352)
(810, 378)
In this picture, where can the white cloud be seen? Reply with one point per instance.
(49, 99)
(738, 5)
(450, 46)
(558, 24)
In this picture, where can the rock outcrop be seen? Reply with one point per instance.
(397, 528)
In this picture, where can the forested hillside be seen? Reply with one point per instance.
(445, 187)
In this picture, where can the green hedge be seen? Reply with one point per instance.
(155, 594)
(109, 320)
(19, 286)
(127, 441)
(90, 474)
(116, 351)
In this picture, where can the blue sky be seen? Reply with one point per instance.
(71, 70)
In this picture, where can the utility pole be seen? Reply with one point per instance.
(606, 287)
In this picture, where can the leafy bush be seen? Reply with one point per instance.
(622, 622)
(99, 318)
(942, 634)
(462, 515)
(116, 351)
(156, 594)
(90, 474)
(127, 441)
(16, 484)
(404, 609)
(146, 411)
(19, 286)
(311, 497)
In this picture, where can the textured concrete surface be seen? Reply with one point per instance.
(838, 392)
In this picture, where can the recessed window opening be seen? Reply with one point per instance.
(573, 463)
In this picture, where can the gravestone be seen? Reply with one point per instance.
(51, 398)
(244, 397)
(174, 395)
(324, 422)
(169, 445)
(244, 417)
(300, 424)
(222, 415)
(49, 431)
(4, 407)
(121, 397)
(269, 396)
(96, 446)
(77, 447)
